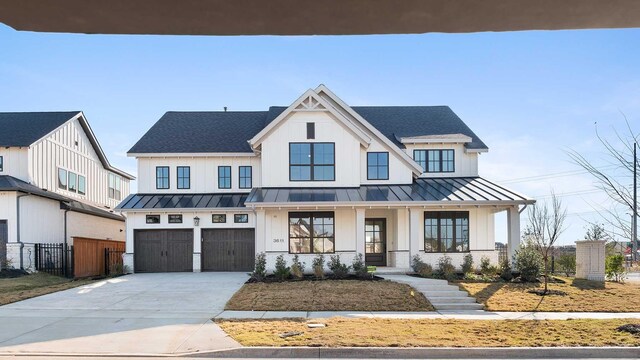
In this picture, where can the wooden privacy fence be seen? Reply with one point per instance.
(90, 259)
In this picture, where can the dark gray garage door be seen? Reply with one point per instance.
(4, 237)
(228, 249)
(163, 250)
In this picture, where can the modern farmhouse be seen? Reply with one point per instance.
(317, 177)
(55, 184)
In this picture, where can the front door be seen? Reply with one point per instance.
(375, 246)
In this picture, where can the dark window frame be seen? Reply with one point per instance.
(311, 131)
(213, 219)
(175, 218)
(453, 215)
(440, 160)
(311, 215)
(168, 177)
(311, 164)
(221, 178)
(1, 163)
(178, 177)
(237, 218)
(240, 177)
(148, 217)
(377, 166)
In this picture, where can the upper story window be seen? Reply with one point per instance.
(114, 186)
(378, 166)
(244, 177)
(73, 182)
(224, 177)
(1, 164)
(312, 162)
(434, 161)
(184, 177)
(446, 231)
(82, 185)
(62, 179)
(162, 177)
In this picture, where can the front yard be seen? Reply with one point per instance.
(28, 286)
(341, 332)
(581, 296)
(329, 295)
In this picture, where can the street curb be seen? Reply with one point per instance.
(427, 353)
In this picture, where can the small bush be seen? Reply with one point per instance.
(318, 266)
(260, 267)
(282, 271)
(567, 264)
(339, 270)
(426, 271)
(528, 262)
(614, 268)
(359, 267)
(446, 268)
(506, 273)
(417, 264)
(485, 266)
(297, 268)
(467, 264)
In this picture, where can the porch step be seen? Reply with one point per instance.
(439, 294)
(434, 288)
(453, 300)
(457, 306)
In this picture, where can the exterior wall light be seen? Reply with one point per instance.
(196, 221)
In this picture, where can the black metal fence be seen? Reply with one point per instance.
(54, 259)
(113, 262)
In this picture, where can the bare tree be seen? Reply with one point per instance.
(546, 223)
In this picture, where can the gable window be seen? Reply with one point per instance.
(184, 177)
(434, 161)
(311, 130)
(82, 185)
(312, 162)
(1, 163)
(378, 166)
(114, 186)
(162, 177)
(72, 184)
(311, 232)
(219, 218)
(175, 219)
(153, 219)
(62, 179)
(241, 218)
(244, 177)
(224, 177)
(446, 231)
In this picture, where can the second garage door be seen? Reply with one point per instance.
(228, 249)
(163, 250)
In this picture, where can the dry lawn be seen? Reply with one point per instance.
(342, 332)
(28, 286)
(582, 295)
(329, 295)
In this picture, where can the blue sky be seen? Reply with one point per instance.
(529, 95)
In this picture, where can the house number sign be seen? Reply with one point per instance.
(278, 241)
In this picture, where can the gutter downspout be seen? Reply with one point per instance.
(65, 226)
(18, 229)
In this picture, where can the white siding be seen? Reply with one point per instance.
(41, 220)
(466, 164)
(204, 173)
(15, 162)
(8, 212)
(93, 227)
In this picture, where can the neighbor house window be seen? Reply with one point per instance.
(311, 232)
(162, 177)
(82, 185)
(446, 231)
(378, 166)
(1, 164)
(241, 218)
(312, 162)
(175, 219)
(114, 186)
(62, 179)
(224, 177)
(245, 177)
(73, 180)
(434, 161)
(218, 218)
(184, 177)
(153, 219)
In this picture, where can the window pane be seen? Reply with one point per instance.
(72, 181)
(323, 154)
(82, 185)
(324, 173)
(372, 159)
(300, 154)
(300, 172)
(62, 179)
(300, 245)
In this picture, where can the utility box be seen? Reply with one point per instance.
(590, 257)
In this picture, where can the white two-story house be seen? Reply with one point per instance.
(55, 184)
(317, 177)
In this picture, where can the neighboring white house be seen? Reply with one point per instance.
(55, 183)
(317, 177)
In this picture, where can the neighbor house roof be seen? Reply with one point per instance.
(183, 201)
(228, 132)
(22, 129)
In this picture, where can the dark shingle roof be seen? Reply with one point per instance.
(25, 128)
(198, 132)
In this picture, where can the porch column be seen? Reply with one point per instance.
(261, 231)
(513, 231)
(414, 231)
(360, 241)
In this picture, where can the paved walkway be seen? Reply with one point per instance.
(439, 293)
(146, 314)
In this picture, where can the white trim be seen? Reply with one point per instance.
(191, 155)
(476, 150)
(437, 139)
(387, 204)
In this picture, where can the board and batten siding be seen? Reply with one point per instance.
(59, 150)
(15, 162)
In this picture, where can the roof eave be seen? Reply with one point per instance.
(407, 204)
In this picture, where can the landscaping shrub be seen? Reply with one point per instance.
(318, 266)
(297, 268)
(567, 264)
(485, 266)
(359, 267)
(417, 264)
(282, 271)
(614, 268)
(339, 270)
(467, 264)
(505, 270)
(528, 262)
(426, 271)
(446, 268)
(260, 267)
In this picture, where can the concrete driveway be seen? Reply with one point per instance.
(136, 314)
